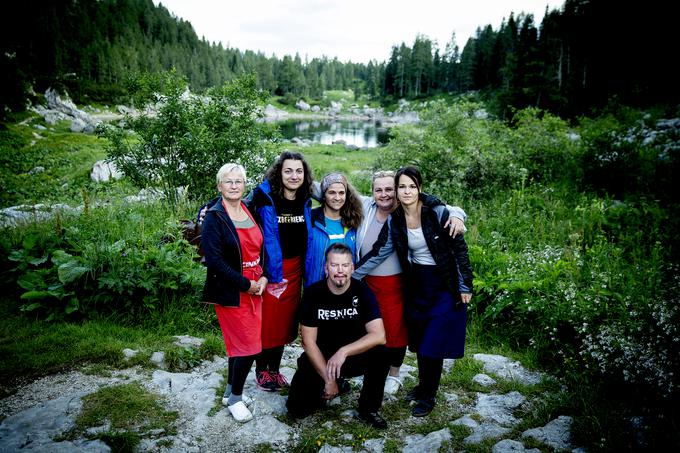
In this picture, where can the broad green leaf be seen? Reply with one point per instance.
(29, 241)
(31, 281)
(72, 306)
(38, 261)
(60, 257)
(71, 271)
(28, 295)
(30, 307)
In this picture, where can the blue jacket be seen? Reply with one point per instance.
(260, 200)
(224, 280)
(316, 250)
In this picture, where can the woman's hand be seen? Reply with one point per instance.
(254, 288)
(263, 284)
(455, 226)
(465, 297)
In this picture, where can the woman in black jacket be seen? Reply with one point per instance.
(232, 242)
(438, 282)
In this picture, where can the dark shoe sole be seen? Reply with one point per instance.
(376, 422)
(422, 408)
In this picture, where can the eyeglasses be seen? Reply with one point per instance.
(232, 182)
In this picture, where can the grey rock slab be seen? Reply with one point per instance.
(33, 429)
(480, 431)
(557, 433)
(483, 379)
(418, 443)
(508, 369)
(374, 445)
(188, 342)
(499, 408)
(129, 353)
(264, 430)
(512, 446)
(467, 421)
(333, 449)
(158, 359)
(485, 430)
(195, 391)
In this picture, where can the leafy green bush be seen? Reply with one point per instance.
(121, 259)
(190, 138)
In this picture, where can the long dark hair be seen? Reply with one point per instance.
(411, 172)
(352, 212)
(273, 175)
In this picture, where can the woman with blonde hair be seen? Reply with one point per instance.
(232, 242)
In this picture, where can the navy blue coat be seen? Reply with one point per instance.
(219, 239)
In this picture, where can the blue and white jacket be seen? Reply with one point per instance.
(315, 262)
(261, 201)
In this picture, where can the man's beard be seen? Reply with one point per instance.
(339, 281)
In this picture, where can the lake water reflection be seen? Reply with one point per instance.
(364, 134)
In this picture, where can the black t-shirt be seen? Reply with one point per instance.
(292, 228)
(340, 318)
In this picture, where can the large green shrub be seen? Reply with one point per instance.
(124, 259)
(189, 138)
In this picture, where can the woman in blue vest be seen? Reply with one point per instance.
(336, 220)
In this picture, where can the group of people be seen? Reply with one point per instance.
(360, 278)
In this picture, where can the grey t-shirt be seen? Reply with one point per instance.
(388, 267)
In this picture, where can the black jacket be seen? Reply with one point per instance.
(224, 280)
(449, 253)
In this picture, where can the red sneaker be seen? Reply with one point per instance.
(265, 382)
(280, 379)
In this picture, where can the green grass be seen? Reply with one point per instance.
(67, 159)
(30, 349)
(128, 410)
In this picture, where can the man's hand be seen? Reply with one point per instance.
(330, 390)
(334, 364)
(455, 225)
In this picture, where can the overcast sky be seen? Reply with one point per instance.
(356, 30)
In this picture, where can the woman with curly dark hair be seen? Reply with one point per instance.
(336, 220)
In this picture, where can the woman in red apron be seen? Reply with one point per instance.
(232, 242)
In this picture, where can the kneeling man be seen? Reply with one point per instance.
(342, 335)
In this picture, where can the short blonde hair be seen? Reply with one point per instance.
(228, 168)
(381, 174)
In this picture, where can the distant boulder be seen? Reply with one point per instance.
(103, 171)
(302, 105)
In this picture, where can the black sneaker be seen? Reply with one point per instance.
(423, 407)
(412, 395)
(373, 419)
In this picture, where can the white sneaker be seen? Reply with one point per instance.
(240, 412)
(392, 385)
(248, 401)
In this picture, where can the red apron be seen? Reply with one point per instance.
(389, 292)
(242, 326)
(279, 323)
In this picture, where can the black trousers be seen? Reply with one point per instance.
(306, 389)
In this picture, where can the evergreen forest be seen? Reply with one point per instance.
(577, 59)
